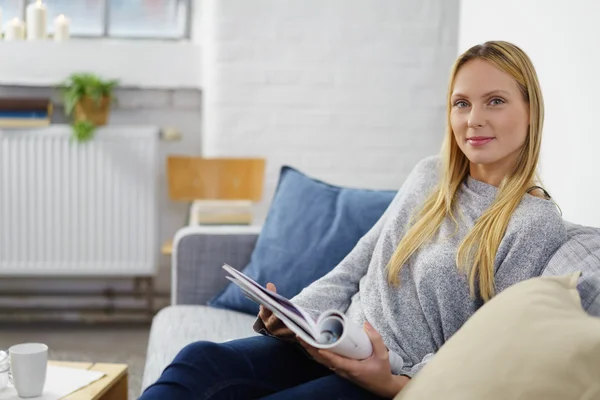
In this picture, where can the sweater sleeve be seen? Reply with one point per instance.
(336, 289)
(532, 243)
(417, 367)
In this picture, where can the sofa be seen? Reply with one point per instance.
(199, 252)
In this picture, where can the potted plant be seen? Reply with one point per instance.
(87, 98)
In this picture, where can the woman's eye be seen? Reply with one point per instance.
(496, 102)
(460, 104)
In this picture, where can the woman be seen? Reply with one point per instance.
(462, 228)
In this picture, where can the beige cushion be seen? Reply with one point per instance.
(533, 341)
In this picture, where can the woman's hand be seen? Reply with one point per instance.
(274, 324)
(373, 373)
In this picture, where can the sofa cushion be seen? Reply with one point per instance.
(175, 327)
(311, 226)
(581, 252)
(532, 341)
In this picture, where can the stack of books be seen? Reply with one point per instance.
(221, 212)
(25, 112)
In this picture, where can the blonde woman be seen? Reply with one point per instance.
(463, 227)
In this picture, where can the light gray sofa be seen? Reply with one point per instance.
(199, 253)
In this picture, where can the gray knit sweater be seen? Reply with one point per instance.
(432, 302)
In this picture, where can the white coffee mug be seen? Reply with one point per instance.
(28, 365)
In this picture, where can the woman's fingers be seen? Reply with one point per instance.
(379, 349)
(273, 324)
(264, 313)
(271, 287)
(285, 334)
(278, 328)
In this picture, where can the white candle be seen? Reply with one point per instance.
(36, 21)
(61, 28)
(15, 30)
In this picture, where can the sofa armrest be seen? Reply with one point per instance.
(198, 254)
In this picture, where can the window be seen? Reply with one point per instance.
(10, 10)
(149, 19)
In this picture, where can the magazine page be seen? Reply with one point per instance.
(262, 295)
(346, 338)
(298, 326)
(342, 336)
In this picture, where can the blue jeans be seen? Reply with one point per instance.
(251, 368)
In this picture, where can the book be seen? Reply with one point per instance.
(222, 219)
(26, 104)
(24, 114)
(331, 330)
(221, 212)
(220, 204)
(24, 122)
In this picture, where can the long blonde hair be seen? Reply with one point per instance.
(476, 253)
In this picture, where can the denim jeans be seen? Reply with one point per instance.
(251, 368)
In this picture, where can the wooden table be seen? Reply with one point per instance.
(112, 386)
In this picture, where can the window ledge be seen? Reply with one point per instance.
(136, 63)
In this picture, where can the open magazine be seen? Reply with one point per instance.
(331, 330)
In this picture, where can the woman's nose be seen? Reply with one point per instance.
(476, 119)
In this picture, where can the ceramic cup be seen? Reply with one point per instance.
(28, 365)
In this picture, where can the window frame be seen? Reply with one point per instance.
(187, 30)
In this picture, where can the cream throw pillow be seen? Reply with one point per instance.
(533, 341)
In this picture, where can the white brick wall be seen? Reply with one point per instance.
(349, 91)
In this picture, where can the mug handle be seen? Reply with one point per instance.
(10, 377)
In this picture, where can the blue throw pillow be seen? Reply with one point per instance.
(311, 226)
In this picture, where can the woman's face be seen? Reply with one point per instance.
(489, 117)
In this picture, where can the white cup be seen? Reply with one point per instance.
(28, 365)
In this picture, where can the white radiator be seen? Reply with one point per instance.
(82, 210)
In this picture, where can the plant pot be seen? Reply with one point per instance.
(87, 109)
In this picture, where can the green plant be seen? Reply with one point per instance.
(79, 86)
(83, 131)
